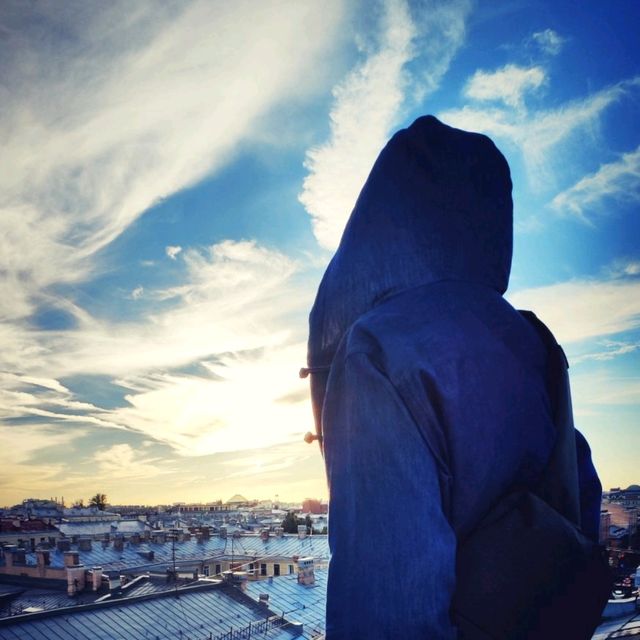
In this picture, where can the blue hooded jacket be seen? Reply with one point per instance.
(430, 389)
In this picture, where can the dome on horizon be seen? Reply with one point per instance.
(236, 498)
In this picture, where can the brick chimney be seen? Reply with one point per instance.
(96, 578)
(75, 579)
(9, 554)
(43, 557)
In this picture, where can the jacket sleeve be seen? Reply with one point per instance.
(392, 570)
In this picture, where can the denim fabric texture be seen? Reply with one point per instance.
(435, 404)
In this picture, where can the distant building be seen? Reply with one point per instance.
(195, 552)
(202, 507)
(47, 510)
(629, 497)
(237, 501)
(27, 534)
(89, 514)
(605, 525)
(311, 505)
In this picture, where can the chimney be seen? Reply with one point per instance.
(263, 599)
(43, 557)
(9, 554)
(302, 531)
(206, 533)
(63, 544)
(84, 544)
(264, 534)
(96, 578)
(118, 543)
(306, 574)
(223, 532)
(238, 579)
(279, 532)
(71, 558)
(75, 579)
(159, 537)
(135, 538)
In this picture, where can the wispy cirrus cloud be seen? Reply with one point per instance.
(233, 409)
(108, 108)
(128, 463)
(610, 349)
(536, 132)
(582, 309)
(617, 181)
(369, 101)
(231, 319)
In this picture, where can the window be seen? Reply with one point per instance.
(276, 569)
(290, 568)
(263, 569)
(218, 572)
(206, 569)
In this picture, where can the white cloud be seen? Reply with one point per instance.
(549, 41)
(110, 107)
(581, 309)
(367, 104)
(610, 350)
(617, 181)
(236, 408)
(593, 390)
(173, 251)
(137, 293)
(125, 462)
(508, 84)
(107, 109)
(536, 133)
(238, 316)
(624, 268)
(237, 296)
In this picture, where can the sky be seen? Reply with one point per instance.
(175, 177)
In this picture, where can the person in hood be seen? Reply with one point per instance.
(428, 389)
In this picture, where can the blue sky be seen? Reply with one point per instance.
(176, 176)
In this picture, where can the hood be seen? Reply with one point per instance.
(436, 206)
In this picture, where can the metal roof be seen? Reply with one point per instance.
(194, 615)
(306, 604)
